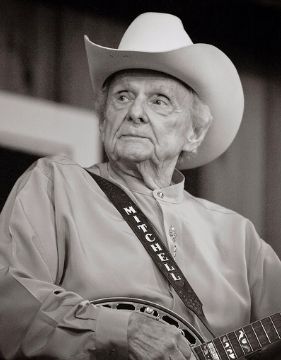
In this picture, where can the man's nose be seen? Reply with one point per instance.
(136, 112)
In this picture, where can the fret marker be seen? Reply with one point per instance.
(228, 348)
(243, 341)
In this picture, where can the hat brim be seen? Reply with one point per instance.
(205, 68)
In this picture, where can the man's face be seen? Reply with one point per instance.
(147, 117)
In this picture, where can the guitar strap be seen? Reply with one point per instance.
(155, 247)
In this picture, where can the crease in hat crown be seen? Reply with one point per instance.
(155, 32)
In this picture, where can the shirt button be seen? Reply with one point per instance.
(160, 194)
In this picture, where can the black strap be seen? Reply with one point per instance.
(146, 233)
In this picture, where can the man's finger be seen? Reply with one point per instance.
(178, 355)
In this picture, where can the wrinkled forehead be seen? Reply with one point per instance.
(147, 76)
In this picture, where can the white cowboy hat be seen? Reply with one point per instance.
(159, 42)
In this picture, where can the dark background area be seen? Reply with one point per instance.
(251, 26)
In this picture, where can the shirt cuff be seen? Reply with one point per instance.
(111, 334)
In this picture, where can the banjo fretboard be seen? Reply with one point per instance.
(244, 341)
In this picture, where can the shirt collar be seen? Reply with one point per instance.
(171, 194)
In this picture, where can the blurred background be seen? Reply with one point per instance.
(46, 98)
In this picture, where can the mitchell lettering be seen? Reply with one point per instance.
(136, 218)
(143, 227)
(147, 237)
(156, 247)
(130, 210)
(175, 277)
(162, 256)
(168, 267)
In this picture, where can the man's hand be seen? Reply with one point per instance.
(149, 339)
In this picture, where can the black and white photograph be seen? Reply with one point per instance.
(140, 187)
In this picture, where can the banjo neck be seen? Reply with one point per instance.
(245, 341)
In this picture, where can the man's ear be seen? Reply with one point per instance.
(194, 139)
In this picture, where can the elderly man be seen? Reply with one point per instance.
(64, 244)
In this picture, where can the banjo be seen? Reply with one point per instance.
(234, 345)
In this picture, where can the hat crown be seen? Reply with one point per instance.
(155, 32)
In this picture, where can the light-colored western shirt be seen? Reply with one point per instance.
(63, 243)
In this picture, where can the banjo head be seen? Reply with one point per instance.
(157, 311)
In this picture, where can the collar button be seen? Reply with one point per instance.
(160, 194)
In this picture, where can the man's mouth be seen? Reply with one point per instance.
(134, 136)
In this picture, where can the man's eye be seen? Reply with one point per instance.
(160, 101)
(122, 98)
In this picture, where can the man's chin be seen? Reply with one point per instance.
(134, 157)
(135, 152)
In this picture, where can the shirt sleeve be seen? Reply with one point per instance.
(38, 317)
(264, 277)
